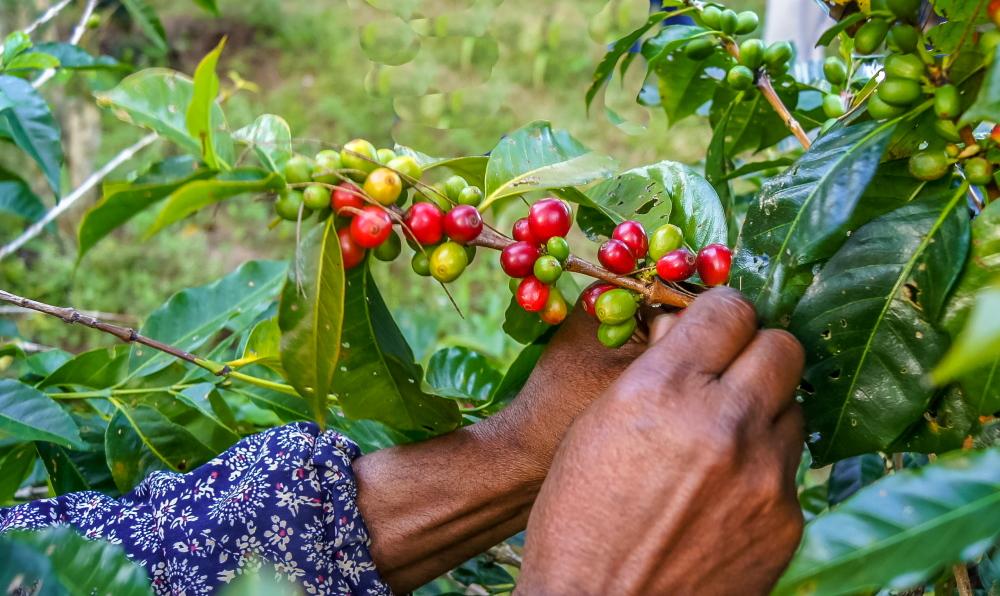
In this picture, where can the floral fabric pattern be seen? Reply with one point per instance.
(286, 497)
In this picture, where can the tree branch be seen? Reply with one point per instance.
(962, 580)
(74, 39)
(47, 16)
(67, 202)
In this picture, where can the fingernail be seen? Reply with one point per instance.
(661, 325)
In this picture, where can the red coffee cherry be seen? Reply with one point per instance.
(518, 259)
(713, 263)
(532, 294)
(346, 195)
(522, 231)
(424, 223)
(463, 223)
(548, 218)
(616, 257)
(352, 252)
(676, 265)
(371, 226)
(634, 236)
(590, 295)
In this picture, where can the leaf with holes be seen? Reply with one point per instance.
(868, 325)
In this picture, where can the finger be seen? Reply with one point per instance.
(768, 371)
(789, 437)
(661, 325)
(710, 335)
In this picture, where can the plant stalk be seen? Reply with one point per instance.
(962, 581)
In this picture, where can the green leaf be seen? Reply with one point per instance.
(606, 68)
(192, 316)
(472, 168)
(867, 323)
(122, 202)
(461, 373)
(198, 194)
(753, 124)
(376, 377)
(311, 316)
(64, 476)
(801, 217)
(987, 103)
(684, 84)
(896, 533)
(29, 415)
(944, 426)
(203, 100)
(522, 326)
(204, 398)
(61, 561)
(144, 16)
(16, 462)
(842, 25)
(175, 446)
(271, 140)
(76, 58)
(850, 475)
(96, 369)
(536, 157)
(978, 344)
(32, 60)
(15, 43)
(209, 6)
(264, 345)
(129, 459)
(25, 118)
(16, 198)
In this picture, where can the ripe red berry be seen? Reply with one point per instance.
(616, 257)
(352, 252)
(463, 223)
(676, 265)
(518, 259)
(713, 264)
(548, 218)
(522, 231)
(346, 195)
(995, 134)
(634, 236)
(371, 226)
(590, 295)
(532, 294)
(424, 223)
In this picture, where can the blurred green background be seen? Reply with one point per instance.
(474, 71)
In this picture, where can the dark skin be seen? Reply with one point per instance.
(667, 469)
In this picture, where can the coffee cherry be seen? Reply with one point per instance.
(298, 169)
(899, 92)
(360, 156)
(326, 167)
(351, 252)
(448, 261)
(665, 238)
(616, 257)
(699, 49)
(555, 309)
(384, 156)
(713, 263)
(833, 105)
(904, 9)
(316, 197)
(384, 186)
(470, 195)
(711, 17)
(518, 259)
(752, 53)
(747, 22)
(407, 167)
(453, 187)
(547, 269)
(522, 231)
(435, 195)
(947, 102)
(590, 295)
(778, 54)
(740, 77)
(929, 165)
(904, 66)
(904, 37)
(634, 236)
(947, 130)
(463, 223)
(995, 134)
(676, 265)
(615, 306)
(287, 206)
(532, 294)
(834, 70)
(421, 264)
(979, 171)
(880, 110)
(424, 222)
(616, 336)
(371, 226)
(870, 36)
(390, 249)
(993, 10)
(558, 248)
(346, 195)
(729, 21)
(548, 218)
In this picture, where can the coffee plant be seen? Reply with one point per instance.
(855, 208)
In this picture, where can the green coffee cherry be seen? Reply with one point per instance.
(316, 197)
(701, 48)
(390, 249)
(870, 36)
(747, 22)
(952, 150)
(834, 70)
(664, 239)
(385, 156)
(470, 195)
(547, 269)
(929, 165)
(904, 37)
(778, 54)
(298, 169)
(833, 105)
(558, 248)
(287, 206)
(904, 9)
(899, 92)
(615, 306)
(947, 130)
(407, 167)
(880, 110)
(711, 17)
(752, 53)
(988, 43)
(979, 171)
(740, 77)
(326, 165)
(616, 336)
(360, 157)
(904, 66)
(421, 264)
(453, 187)
(947, 102)
(728, 22)
(436, 194)
(448, 261)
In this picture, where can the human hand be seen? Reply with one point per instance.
(680, 478)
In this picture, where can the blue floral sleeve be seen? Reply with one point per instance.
(286, 497)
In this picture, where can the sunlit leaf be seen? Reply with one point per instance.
(28, 414)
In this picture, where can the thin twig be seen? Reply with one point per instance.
(74, 39)
(47, 16)
(962, 580)
(67, 202)
(110, 316)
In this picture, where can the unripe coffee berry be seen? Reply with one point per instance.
(463, 223)
(385, 155)
(616, 257)
(316, 197)
(288, 206)
(979, 171)
(518, 259)
(615, 306)
(407, 167)
(590, 295)
(371, 226)
(421, 264)
(665, 238)
(298, 169)
(453, 187)
(522, 231)
(548, 218)
(424, 222)
(547, 269)
(448, 261)
(616, 336)
(346, 195)
(555, 309)
(470, 195)
(558, 248)
(326, 165)
(713, 263)
(532, 294)
(634, 236)
(676, 265)
(351, 252)
(360, 157)
(384, 186)
(390, 249)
